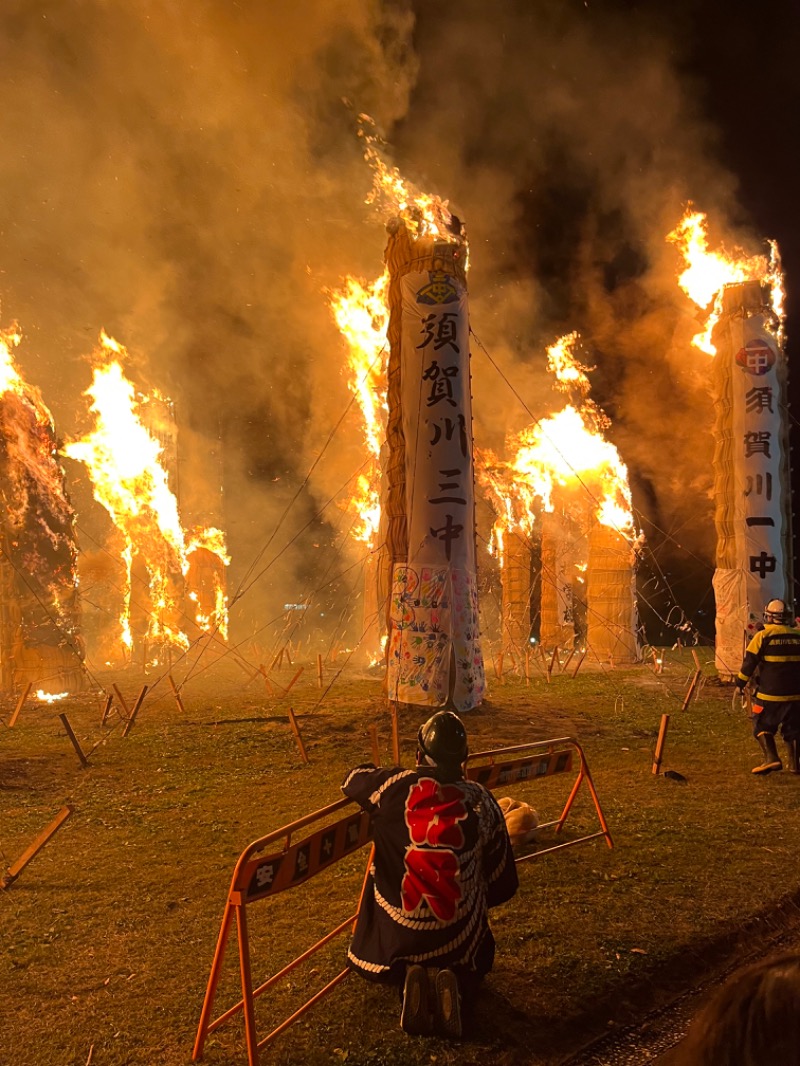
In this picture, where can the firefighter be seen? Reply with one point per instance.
(442, 859)
(775, 653)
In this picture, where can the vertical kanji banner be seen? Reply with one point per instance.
(751, 472)
(434, 645)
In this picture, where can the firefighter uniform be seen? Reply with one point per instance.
(773, 658)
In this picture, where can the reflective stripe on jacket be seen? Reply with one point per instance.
(775, 651)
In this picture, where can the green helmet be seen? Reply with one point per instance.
(443, 739)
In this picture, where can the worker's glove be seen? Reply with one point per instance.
(739, 700)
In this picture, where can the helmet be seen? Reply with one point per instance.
(777, 613)
(443, 739)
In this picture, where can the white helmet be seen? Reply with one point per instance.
(777, 613)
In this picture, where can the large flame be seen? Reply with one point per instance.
(38, 523)
(129, 479)
(362, 315)
(707, 272)
(562, 453)
(425, 214)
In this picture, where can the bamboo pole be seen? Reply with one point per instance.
(176, 693)
(16, 868)
(74, 739)
(319, 669)
(20, 703)
(580, 663)
(395, 734)
(291, 683)
(527, 667)
(692, 687)
(696, 659)
(107, 707)
(135, 711)
(122, 700)
(553, 658)
(296, 730)
(662, 739)
(567, 661)
(276, 662)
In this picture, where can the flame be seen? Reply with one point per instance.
(38, 524)
(707, 273)
(50, 697)
(362, 315)
(425, 214)
(563, 452)
(129, 479)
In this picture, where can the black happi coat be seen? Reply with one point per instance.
(442, 858)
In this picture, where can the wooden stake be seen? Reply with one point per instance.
(277, 660)
(567, 662)
(690, 693)
(580, 663)
(122, 700)
(662, 737)
(498, 666)
(553, 658)
(20, 703)
(296, 730)
(395, 734)
(74, 739)
(373, 739)
(289, 686)
(696, 660)
(135, 711)
(287, 653)
(319, 669)
(16, 869)
(527, 667)
(107, 707)
(176, 693)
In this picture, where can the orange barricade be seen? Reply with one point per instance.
(542, 758)
(258, 876)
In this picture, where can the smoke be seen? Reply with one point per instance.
(190, 180)
(188, 177)
(571, 139)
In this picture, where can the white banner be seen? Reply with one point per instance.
(434, 617)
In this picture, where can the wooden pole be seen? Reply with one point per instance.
(122, 701)
(135, 711)
(277, 660)
(74, 739)
(580, 663)
(395, 734)
(289, 686)
(498, 666)
(696, 659)
(296, 730)
(288, 655)
(319, 669)
(373, 738)
(567, 662)
(107, 707)
(527, 667)
(662, 737)
(553, 658)
(16, 869)
(176, 693)
(20, 703)
(692, 687)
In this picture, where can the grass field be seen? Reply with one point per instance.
(107, 937)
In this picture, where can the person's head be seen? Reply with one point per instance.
(753, 1020)
(778, 614)
(442, 743)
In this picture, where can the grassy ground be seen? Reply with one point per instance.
(107, 937)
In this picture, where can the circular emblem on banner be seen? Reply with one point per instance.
(756, 357)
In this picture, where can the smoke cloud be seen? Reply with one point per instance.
(189, 178)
